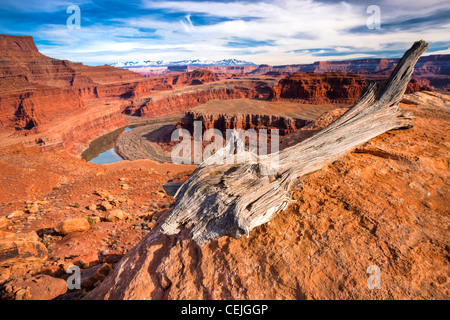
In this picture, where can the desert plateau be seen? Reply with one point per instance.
(342, 195)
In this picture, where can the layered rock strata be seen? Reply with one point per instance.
(319, 88)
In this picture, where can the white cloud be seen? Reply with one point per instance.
(445, 51)
(287, 25)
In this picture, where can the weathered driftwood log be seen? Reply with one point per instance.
(230, 200)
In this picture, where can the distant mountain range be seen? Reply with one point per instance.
(433, 70)
(195, 62)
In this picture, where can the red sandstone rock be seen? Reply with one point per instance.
(26, 106)
(320, 88)
(93, 276)
(41, 287)
(72, 225)
(325, 88)
(222, 122)
(117, 215)
(44, 98)
(178, 102)
(20, 253)
(415, 86)
(172, 81)
(15, 43)
(3, 222)
(433, 70)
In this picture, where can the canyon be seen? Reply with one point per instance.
(383, 204)
(58, 104)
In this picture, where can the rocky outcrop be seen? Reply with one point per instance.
(415, 86)
(15, 43)
(72, 225)
(223, 122)
(264, 69)
(363, 66)
(41, 287)
(315, 88)
(20, 253)
(19, 57)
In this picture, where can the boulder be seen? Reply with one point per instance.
(72, 225)
(15, 214)
(102, 193)
(117, 215)
(33, 208)
(107, 205)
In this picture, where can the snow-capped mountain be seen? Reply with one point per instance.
(195, 62)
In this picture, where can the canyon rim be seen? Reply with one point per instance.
(315, 152)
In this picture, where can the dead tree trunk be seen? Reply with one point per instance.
(231, 200)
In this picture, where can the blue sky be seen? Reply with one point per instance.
(273, 32)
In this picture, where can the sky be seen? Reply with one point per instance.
(274, 32)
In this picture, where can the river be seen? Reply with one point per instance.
(101, 150)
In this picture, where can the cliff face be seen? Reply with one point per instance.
(171, 82)
(433, 70)
(44, 99)
(20, 57)
(223, 122)
(265, 69)
(27, 109)
(181, 100)
(172, 104)
(319, 88)
(332, 87)
(365, 66)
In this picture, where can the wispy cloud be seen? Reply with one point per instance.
(274, 32)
